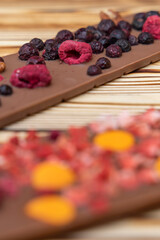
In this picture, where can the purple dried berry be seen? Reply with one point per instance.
(145, 38)
(54, 135)
(151, 13)
(124, 45)
(48, 41)
(133, 40)
(38, 43)
(27, 50)
(113, 51)
(85, 35)
(5, 90)
(98, 35)
(50, 53)
(1, 59)
(124, 25)
(97, 47)
(103, 63)
(107, 26)
(94, 70)
(138, 21)
(36, 60)
(116, 35)
(105, 41)
(64, 35)
(91, 28)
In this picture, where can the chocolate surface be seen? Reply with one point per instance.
(69, 80)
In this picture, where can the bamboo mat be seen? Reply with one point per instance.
(20, 21)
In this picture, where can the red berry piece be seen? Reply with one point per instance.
(94, 70)
(113, 51)
(97, 47)
(5, 90)
(54, 135)
(85, 35)
(133, 40)
(31, 76)
(36, 60)
(64, 35)
(103, 63)
(107, 26)
(27, 50)
(152, 26)
(73, 52)
(38, 43)
(145, 38)
(124, 45)
(116, 35)
(124, 25)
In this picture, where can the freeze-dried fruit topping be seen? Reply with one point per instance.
(124, 25)
(133, 40)
(5, 90)
(38, 43)
(145, 38)
(36, 60)
(152, 26)
(116, 35)
(84, 35)
(113, 51)
(27, 50)
(103, 63)
(94, 70)
(124, 45)
(138, 21)
(64, 35)
(97, 47)
(107, 26)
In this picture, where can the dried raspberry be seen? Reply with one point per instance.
(36, 60)
(145, 38)
(31, 76)
(38, 43)
(113, 51)
(116, 35)
(152, 26)
(94, 70)
(133, 40)
(107, 26)
(27, 50)
(97, 47)
(85, 35)
(73, 52)
(105, 41)
(103, 63)
(124, 25)
(124, 45)
(1, 78)
(64, 35)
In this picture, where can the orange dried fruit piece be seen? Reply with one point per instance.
(52, 176)
(157, 165)
(53, 210)
(115, 140)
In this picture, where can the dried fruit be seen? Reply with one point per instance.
(2, 66)
(31, 76)
(152, 26)
(36, 60)
(51, 53)
(27, 50)
(152, 13)
(97, 47)
(5, 90)
(38, 43)
(113, 51)
(85, 35)
(64, 35)
(103, 63)
(116, 35)
(94, 70)
(73, 52)
(124, 25)
(145, 38)
(107, 26)
(1, 59)
(105, 41)
(133, 40)
(124, 45)
(138, 21)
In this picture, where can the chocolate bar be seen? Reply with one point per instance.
(68, 80)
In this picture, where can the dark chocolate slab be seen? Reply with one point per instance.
(68, 81)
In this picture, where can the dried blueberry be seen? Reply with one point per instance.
(133, 40)
(113, 51)
(138, 21)
(36, 60)
(98, 35)
(97, 47)
(145, 38)
(27, 50)
(38, 43)
(124, 25)
(64, 35)
(50, 53)
(103, 63)
(91, 28)
(151, 13)
(83, 34)
(1, 59)
(94, 70)
(107, 26)
(116, 35)
(124, 45)
(5, 90)
(105, 40)
(48, 41)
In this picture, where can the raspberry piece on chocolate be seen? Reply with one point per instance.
(97, 47)
(145, 38)
(107, 26)
(5, 90)
(94, 70)
(124, 45)
(133, 40)
(38, 43)
(73, 52)
(152, 26)
(103, 63)
(27, 50)
(31, 76)
(85, 35)
(36, 60)
(64, 35)
(116, 35)
(113, 51)
(124, 25)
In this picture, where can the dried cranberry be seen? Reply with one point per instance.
(51, 53)
(138, 21)
(133, 40)
(5, 90)
(103, 63)
(152, 13)
(94, 70)
(145, 38)
(83, 34)
(38, 43)
(64, 35)
(113, 51)
(124, 25)
(107, 26)
(152, 26)
(31, 76)
(124, 45)
(97, 47)
(105, 41)
(36, 60)
(116, 35)
(73, 52)
(27, 50)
